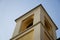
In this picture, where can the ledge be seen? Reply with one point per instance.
(25, 30)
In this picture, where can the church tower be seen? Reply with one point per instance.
(35, 25)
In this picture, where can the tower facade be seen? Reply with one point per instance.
(35, 25)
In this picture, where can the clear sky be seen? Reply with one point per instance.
(12, 9)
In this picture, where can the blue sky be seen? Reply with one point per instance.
(12, 9)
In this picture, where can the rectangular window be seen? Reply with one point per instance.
(26, 23)
(48, 27)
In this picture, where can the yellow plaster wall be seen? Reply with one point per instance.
(46, 37)
(28, 36)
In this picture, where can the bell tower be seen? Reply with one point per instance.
(35, 25)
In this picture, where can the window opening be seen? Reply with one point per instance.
(26, 23)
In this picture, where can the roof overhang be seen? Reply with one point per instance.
(35, 8)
